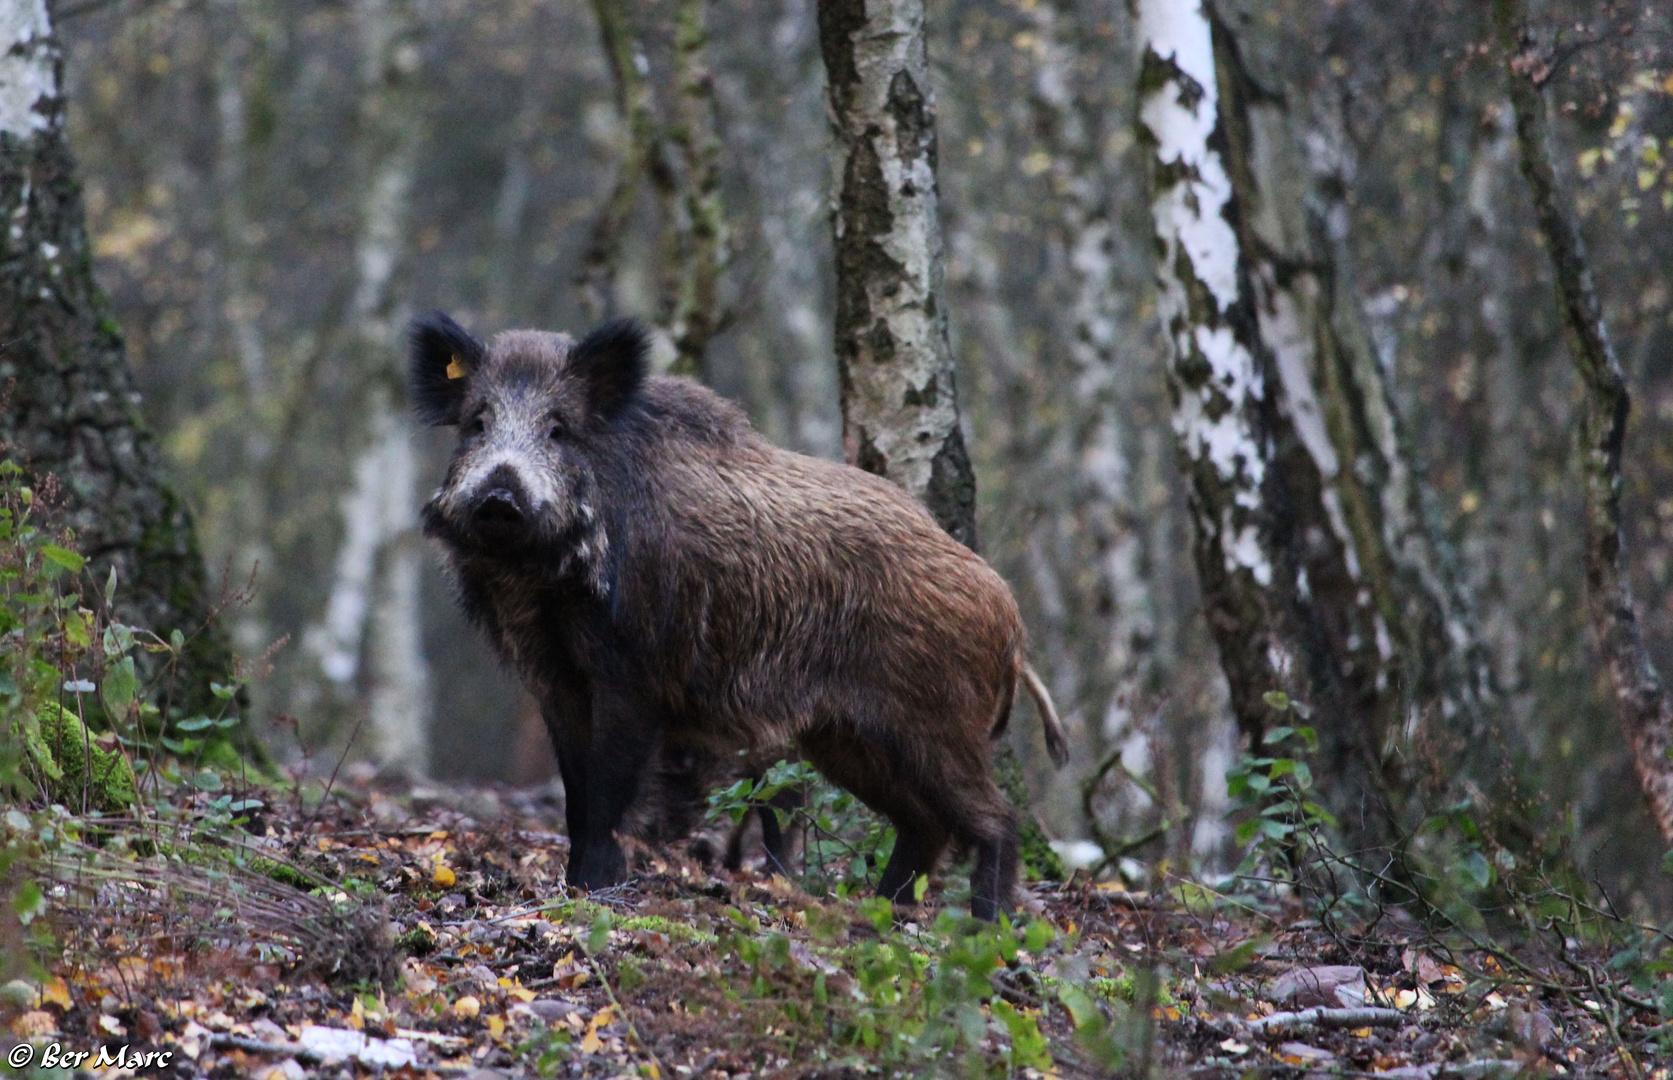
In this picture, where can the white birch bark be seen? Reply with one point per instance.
(1213, 375)
(372, 619)
(900, 402)
(28, 68)
(1105, 500)
(1282, 524)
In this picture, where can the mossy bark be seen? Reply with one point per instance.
(71, 410)
(79, 770)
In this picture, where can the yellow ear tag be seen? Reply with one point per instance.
(455, 370)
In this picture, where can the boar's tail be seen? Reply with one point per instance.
(1057, 744)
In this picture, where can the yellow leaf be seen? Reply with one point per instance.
(467, 1007)
(56, 993)
(1361, 1033)
(496, 1026)
(523, 993)
(357, 1016)
(443, 876)
(591, 1043)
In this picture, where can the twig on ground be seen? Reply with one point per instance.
(1325, 1018)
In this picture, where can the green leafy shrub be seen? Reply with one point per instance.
(81, 721)
(845, 842)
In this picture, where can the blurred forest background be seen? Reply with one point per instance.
(274, 187)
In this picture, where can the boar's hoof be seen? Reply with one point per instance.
(602, 865)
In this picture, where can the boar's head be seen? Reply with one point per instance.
(537, 415)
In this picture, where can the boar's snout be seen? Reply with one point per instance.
(500, 509)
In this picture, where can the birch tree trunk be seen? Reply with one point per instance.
(71, 408)
(900, 416)
(1291, 175)
(369, 640)
(1642, 701)
(1283, 582)
(1105, 503)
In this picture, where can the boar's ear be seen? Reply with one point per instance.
(611, 362)
(442, 356)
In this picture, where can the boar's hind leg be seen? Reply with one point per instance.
(875, 776)
(991, 832)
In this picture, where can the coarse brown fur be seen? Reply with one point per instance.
(660, 575)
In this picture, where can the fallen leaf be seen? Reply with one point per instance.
(1298, 1053)
(443, 876)
(467, 1006)
(1327, 985)
(34, 1022)
(57, 993)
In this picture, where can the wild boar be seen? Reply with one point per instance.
(661, 576)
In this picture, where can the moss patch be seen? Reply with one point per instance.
(76, 766)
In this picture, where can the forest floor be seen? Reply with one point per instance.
(477, 962)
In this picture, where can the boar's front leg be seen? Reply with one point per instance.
(568, 716)
(625, 741)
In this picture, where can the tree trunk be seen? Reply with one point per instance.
(641, 157)
(72, 410)
(369, 640)
(1641, 699)
(1291, 176)
(697, 311)
(241, 304)
(1281, 569)
(900, 415)
(1114, 628)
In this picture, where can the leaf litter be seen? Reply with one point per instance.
(430, 934)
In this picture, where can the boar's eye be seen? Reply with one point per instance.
(557, 431)
(475, 426)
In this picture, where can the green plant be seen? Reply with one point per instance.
(1282, 823)
(956, 996)
(845, 842)
(546, 1050)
